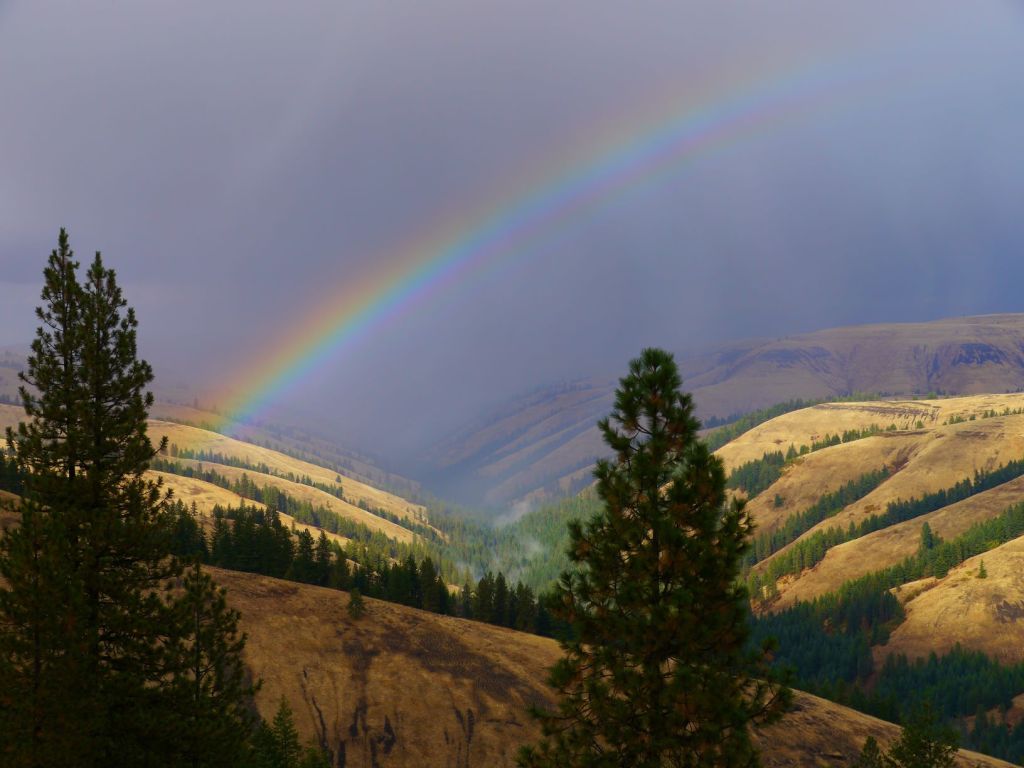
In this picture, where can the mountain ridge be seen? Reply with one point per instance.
(539, 446)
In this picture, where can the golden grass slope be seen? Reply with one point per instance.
(892, 545)
(314, 496)
(808, 424)
(980, 614)
(294, 441)
(203, 440)
(207, 495)
(928, 460)
(401, 687)
(808, 478)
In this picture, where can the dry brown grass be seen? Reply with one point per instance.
(207, 495)
(203, 440)
(890, 546)
(808, 478)
(980, 614)
(806, 425)
(314, 496)
(931, 460)
(407, 688)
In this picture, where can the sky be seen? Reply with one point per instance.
(243, 163)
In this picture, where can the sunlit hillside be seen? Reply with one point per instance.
(401, 687)
(935, 445)
(243, 470)
(543, 443)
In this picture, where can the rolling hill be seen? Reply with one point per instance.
(232, 460)
(543, 444)
(942, 446)
(401, 687)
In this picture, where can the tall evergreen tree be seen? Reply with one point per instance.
(87, 622)
(925, 742)
(211, 689)
(658, 671)
(41, 598)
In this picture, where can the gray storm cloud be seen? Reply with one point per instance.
(241, 162)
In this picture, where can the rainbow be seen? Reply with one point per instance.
(676, 133)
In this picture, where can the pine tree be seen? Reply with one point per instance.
(211, 689)
(927, 538)
(356, 605)
(870, 756)
(658, 671)
(323, 559)
(924, 743)
(87, 620)
(286, 737)
(41, 598)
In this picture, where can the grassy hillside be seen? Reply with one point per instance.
(324, 451)
(231, 458)
(195, 439)
(400, 687)
(539, 443)
(984, 613)
(947, 448)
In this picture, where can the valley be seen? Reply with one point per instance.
(402, 686)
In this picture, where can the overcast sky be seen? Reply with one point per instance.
(240, 161)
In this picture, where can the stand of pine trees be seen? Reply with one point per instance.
(254, 540)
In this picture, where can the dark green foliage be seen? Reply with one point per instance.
(658, 670)
(356, 605)
(210, 720)
(90, 633)
(276, 744)
(870, 756)
(254, 540)
(754, 476)
(827, 644)
(10, 476)
(924, 742)
(992, 736)
(957, 684)
(827, 641)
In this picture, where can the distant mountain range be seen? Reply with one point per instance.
(544, 444)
